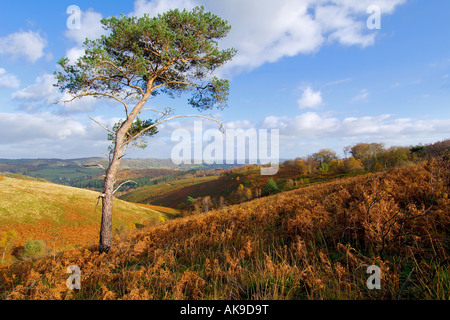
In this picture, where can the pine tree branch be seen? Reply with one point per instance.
(94, 166)
(94, 94)
(110, 131)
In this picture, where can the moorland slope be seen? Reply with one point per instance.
(310, 243)
(59, 215)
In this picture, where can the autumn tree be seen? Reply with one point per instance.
(311, 164)
(395, 157)
(301, 166)
(352, 165)
(139, 58)
(325, 156)
(337, 166)
(368, 153)
(248, 194)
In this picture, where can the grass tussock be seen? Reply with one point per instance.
(311, 243)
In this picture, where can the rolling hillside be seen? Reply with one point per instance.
(312, 243)
(172, 193)
(62, 216)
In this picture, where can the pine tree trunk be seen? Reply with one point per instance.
(110, 179)
(108, 196)
(107, 207)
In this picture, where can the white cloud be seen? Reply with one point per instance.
(46, 135)
(363, 96)
(25, 44)
(337, 82)
(312, 125)
(8, 80)
(310, 99)
(153, 8)
(339, 20)
(274, 122)
(240, 124)
(42, 89)
(79, 105)
(309, 125)
(266, 31)
(43, 93)
(20, 127)
(308, 132)
(90, 28)
(75, 53)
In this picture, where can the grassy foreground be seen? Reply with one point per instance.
(58, 215)
(310, 243)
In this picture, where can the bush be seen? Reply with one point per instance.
(34, 249)
(271, 187)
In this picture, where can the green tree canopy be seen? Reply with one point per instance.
(271, 187)
(170, 53)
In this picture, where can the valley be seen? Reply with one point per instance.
(231, 233)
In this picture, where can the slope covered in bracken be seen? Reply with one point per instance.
(310, 243)
(60, 216)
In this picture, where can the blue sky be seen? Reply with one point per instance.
(310, 68)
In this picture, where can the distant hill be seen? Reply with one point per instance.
(61, 171)
(63, 216)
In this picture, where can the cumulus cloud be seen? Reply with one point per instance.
(313, 125)
(90, 28)
(8, 80)
(42, 89)
(75, 53)
(262, 30)
(310, 99)
(266, 31)
(47, 135)
(43, 93)
(20, 127)
(24, 44)
(50, 135)
(311, 131)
